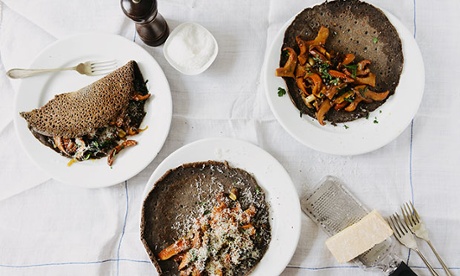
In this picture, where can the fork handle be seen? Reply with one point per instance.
(444, 266)
(24, 73)
(433, 272)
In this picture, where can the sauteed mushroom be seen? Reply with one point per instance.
(327, 80)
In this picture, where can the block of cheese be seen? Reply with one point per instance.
(359, 237)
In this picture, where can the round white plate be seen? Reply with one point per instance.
(34, 92)
(362, 135)
(272, 178)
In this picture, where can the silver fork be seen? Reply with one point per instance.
(90, 68)
(416, 225)
(405, 237)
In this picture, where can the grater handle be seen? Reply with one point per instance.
(403, 270)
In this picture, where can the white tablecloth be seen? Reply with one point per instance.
(48, 228)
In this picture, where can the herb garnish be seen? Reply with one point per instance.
(353, 68)
(281, 92)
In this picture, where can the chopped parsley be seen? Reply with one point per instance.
(335, 81)
(353, 68)
(375, 40)
(349, 99)
(323, 68)
(281, 92)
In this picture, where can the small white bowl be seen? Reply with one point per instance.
(190, 48)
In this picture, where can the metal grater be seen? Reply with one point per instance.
(334, 208)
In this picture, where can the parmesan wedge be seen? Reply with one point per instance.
(359, 237)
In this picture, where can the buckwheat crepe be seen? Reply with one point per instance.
(89, 123)
(183, 194)
(355, 27)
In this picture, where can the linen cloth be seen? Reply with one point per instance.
(49, 228)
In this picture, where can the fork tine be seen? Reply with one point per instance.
(103, 63)
(393, 226)
(401, 225)
(407, 215)
(416, 216)
(105, 69)
(101, 67)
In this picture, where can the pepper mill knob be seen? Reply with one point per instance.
(150, 25)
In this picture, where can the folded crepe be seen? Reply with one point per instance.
(184, 194)
(355, 27)
(93, 115)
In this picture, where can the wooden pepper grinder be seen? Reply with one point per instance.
(150, 25)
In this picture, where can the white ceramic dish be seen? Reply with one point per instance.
(362, 135)
(172, 55)
(271, 176)
(36, 91)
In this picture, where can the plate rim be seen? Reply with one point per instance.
(153, 66)
(346, 136)
(174, 160)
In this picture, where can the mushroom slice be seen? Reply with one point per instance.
(369, 80)
(323, 109)
(303, 47)
(316, 83)
(288, 70)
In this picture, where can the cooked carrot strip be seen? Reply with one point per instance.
(250, 228)
(175, 248)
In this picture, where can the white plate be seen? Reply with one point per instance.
(271, 176)
(35, 91)
(362, 135)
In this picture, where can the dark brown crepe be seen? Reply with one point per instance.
(354, 27)
(74, 114)
(182, 194)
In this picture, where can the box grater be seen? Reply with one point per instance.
(334, 208)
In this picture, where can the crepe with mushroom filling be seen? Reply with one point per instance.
(354, 27)
(96, 120)
(191, 194)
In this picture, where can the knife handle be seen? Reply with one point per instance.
(403, 270)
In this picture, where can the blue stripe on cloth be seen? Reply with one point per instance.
(74, 263)
(411, 149)
(410, 160)
(412, 122)
(124, 226)
(322, 268)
